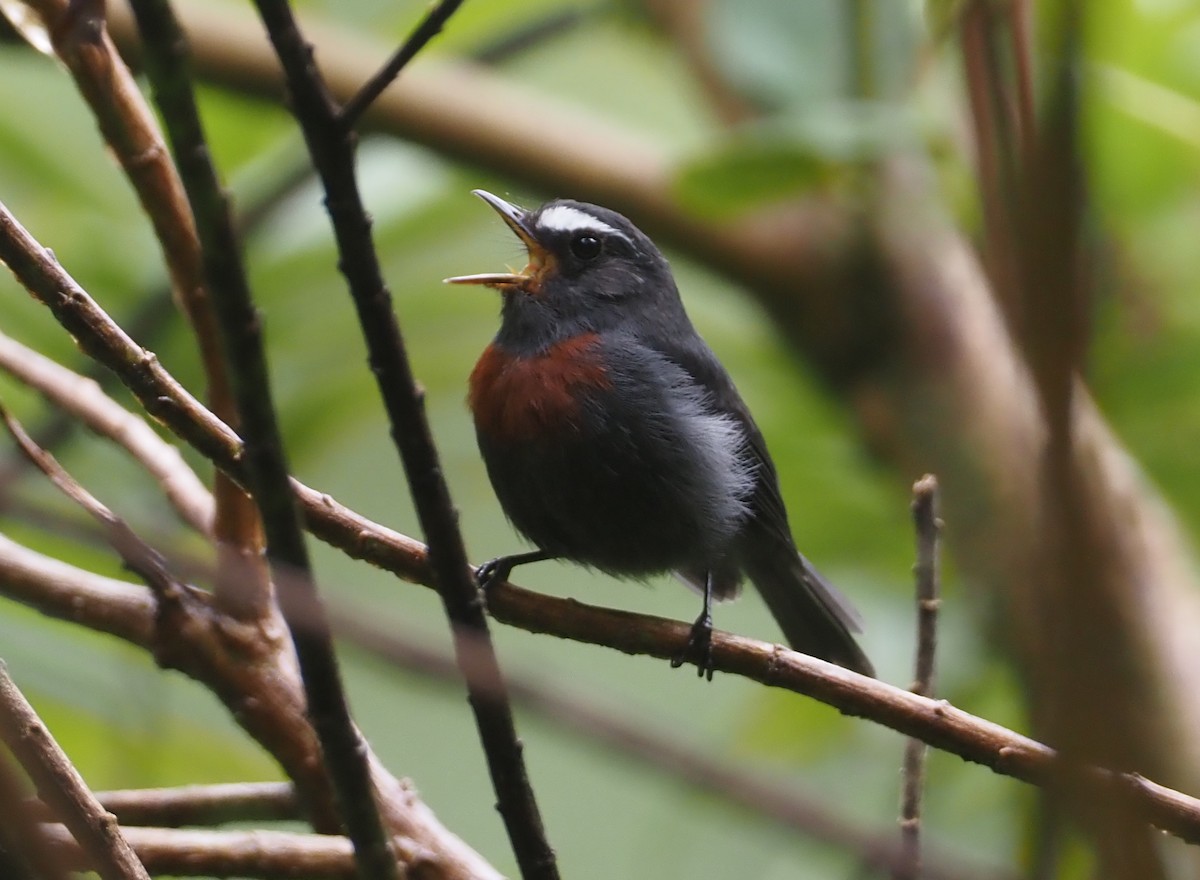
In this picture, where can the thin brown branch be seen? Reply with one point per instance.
(246, 667)
(925, 510)
(431, 25)
(60, 590)
(657, 752)
(928, 529)
(62, 788)
(134, 552)
(83, 399)
(101, 338)
(82, 43)
(194, 804)
(265, 855)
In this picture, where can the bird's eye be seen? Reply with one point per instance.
(586, 247)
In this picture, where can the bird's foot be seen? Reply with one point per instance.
(698, 648)
(494, 571)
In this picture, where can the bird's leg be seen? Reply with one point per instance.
(699, 643)
(497, 570)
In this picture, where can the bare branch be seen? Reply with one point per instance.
(663, 753)
(928, 524)
(928, 528)
(62, 788)
(429, 28)
(85, 400)
(266, 855)
(195, 804)
(60, 590)
(101, 338)
(245, 667)
(134, 552)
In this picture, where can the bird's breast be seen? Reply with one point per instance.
(520, 398)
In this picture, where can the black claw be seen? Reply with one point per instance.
(494, 571)
(698, 648)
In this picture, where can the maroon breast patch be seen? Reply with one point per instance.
(518, 399)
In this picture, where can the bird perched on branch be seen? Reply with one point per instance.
(614, 438)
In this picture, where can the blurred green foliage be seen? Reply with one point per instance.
(127, 724)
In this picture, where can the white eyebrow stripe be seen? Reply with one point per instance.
(564, 218)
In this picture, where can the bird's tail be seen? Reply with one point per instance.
(815, 617)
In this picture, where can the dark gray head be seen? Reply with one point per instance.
(589, 269)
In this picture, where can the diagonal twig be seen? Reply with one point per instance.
(63, 789)
(239, 329)
(332, 149)
(83, 399)
(140, 557)
(431, 25)
(528, 35)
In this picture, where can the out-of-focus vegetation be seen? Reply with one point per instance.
(828, 106)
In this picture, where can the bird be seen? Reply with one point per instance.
(614, 438)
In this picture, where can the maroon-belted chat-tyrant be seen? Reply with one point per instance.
(615, 439)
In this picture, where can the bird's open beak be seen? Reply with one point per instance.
(539, 258)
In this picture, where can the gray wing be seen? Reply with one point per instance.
(814, 615)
